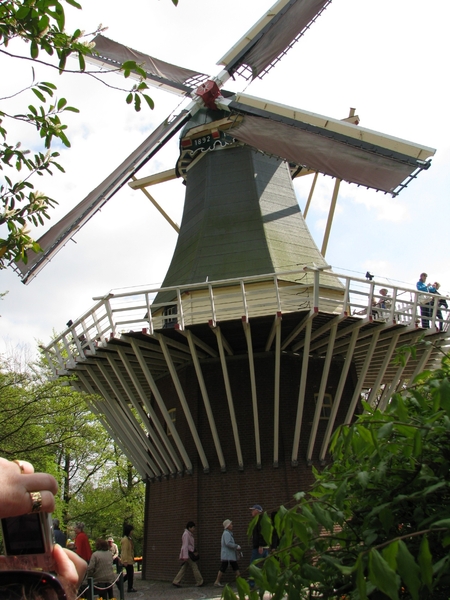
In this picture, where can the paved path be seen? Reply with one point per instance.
(150, 590)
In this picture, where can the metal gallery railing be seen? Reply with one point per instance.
(217, 301)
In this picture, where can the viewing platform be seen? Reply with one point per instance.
(127, 348)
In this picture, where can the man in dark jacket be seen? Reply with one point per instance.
(259, 547)
(60, 536)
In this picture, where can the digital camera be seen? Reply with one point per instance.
(28, 542)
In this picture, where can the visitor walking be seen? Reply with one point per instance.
(229, 552)
(188, 552)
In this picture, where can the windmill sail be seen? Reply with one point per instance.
(329, 146)
(58, 235)
(159, 73)
(272, 36)
(318, 143)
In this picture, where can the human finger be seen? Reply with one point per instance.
(29, 502)
(26, 468)
(17, 482)
(36, 482)
(70, 567)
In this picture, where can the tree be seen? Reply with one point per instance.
(48, 423)
(110, 501)
(376, 522)
(40, 25)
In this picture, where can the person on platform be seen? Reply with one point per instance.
(187, 546)
(442, 303)
(425, 307)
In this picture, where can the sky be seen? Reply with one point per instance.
(386, 59)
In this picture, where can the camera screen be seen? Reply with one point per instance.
(23, 535)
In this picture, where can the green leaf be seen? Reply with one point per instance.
(310, 517)
(441, 567)
(298, 496)
(149, 101)
(402, 412)
(129, 98)
(426, 563)
(243, 587)
(81, 62)
(408, 570)
(382, 576)
(418, 446)
(312, 573)
(345, 570)
(360, 579)
(387, 518)
(256, 572)
(44, 22)
(34, 50)
(22, 13)
(64, 139)
(266, 528)
(323, 516)
(272, 571)
(422, 377)
(444, 390)
(39, 94)
(128, 65)
(363, 478)
(390, 555)
(299, 528)
(442, 523)
(385, 431)
(432, 488)
(341, 494)
(62, 60)
(228, 593)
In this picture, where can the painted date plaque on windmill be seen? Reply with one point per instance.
(204, 142)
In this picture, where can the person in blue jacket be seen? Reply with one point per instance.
(426, 307)
(229, 552)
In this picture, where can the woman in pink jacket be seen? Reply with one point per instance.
(188, 545)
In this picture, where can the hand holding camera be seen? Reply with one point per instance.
(26, 501)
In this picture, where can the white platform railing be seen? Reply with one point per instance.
(214, 302)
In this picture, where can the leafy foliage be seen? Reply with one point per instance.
(48, 423)
(376, 522)
(40, 25)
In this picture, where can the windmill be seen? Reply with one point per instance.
(237, 370)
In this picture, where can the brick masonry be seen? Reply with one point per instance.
(209, 498)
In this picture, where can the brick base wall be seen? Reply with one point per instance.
(210, 498)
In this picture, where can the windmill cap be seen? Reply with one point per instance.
(256, 507)
(226, 523)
